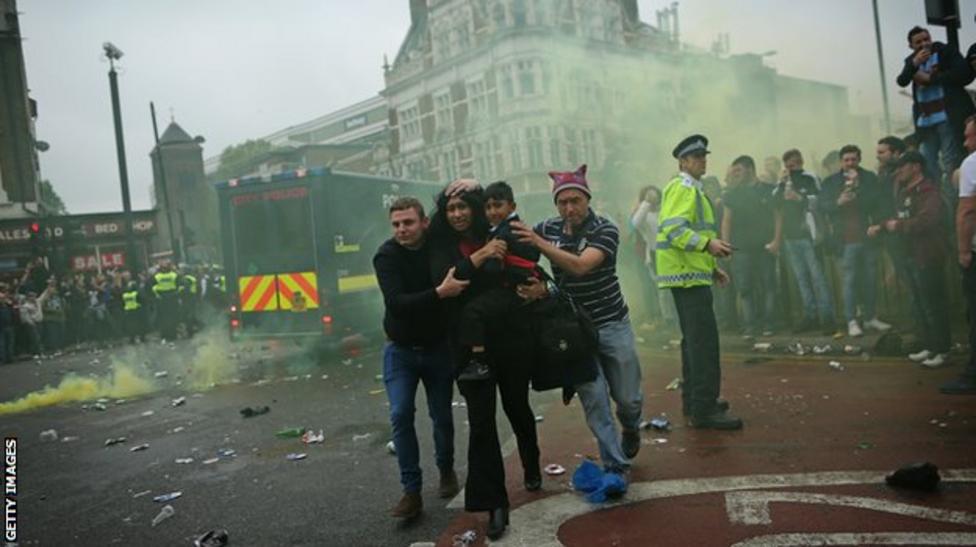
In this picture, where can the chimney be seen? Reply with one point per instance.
(418, 11)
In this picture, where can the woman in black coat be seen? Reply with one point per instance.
(458, 234)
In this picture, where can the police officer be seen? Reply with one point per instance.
(166, 289)
(135, 315)
(189, 295)
(687, 246)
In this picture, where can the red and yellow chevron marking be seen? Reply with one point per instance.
(297, 287)
(257, 293)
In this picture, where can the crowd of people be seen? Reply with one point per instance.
(463, 290)
(43, 314)
(810, 244)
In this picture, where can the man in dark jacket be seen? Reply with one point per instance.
(919, 224)
(416, 350)
(851, 198)
(938, 75)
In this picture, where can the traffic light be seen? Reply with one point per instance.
(37, 239)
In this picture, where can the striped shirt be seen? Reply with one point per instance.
(598, 291)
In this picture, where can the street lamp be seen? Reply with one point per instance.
(114, 54)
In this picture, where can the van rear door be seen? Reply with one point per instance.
(274, 250)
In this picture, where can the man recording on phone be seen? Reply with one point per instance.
(938, 75)
(852, 202)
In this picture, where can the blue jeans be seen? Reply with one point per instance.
(755, 281)
(619, 374)
(860, 268)
(810, 280)
(940, 138)
(403, 369)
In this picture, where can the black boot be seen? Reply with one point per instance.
(533, 478)
(497, 521)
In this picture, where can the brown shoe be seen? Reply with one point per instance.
(449, 485)
(411, 504)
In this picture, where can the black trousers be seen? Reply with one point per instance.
(969, 292)
(483, 313)
(928, 284)
(135, 324)
(699, 349)
(485, 483)
(167, 315)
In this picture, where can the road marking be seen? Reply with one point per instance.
(537, 523)
(753, 507)
(879, 538)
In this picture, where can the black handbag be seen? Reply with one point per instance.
(565, 343)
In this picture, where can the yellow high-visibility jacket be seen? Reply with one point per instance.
(685, 226)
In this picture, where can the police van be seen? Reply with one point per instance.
(298, 249)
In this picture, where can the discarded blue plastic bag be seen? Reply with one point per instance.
(587, 477)
(597, 484)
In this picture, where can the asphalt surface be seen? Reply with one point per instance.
(81, 492)
(803, 419)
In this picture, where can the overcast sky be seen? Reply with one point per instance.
(234, 70)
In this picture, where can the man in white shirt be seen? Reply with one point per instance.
(965, 232)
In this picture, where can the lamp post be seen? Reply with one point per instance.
(881, 68)
(114, 54)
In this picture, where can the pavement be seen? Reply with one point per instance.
(807, 469)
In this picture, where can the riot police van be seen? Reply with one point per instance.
(298, 249)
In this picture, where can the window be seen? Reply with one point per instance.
(555, 146)
(274, 228)
(546, 77)
(572, 152)
(416, 170)
(498, 15)
(443, 111)
(463, 38)
(516, 152)
(410, 122)
(449, 167)
(526, 72)
(533, 136)
(481, 160)
(567, 18)
(519, 13)
(477, 102)
(508, 83)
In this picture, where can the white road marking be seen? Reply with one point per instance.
(536, 524)
(878, 538)
(753, 507)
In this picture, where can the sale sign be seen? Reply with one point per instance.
(90, 262)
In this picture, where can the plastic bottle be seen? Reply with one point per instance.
(164, 514)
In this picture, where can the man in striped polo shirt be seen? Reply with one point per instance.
(582, 248)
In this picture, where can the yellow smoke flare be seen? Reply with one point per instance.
(123, 382)
(210, 365)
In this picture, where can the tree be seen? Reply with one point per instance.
(237, 160)
(50, 199)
